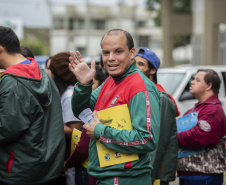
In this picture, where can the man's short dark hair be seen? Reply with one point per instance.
(212, 77)
(9, 40)
(129, 38)
(26, 52)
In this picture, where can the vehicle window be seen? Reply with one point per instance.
(186, 95)
(169, 81)
(224, 81)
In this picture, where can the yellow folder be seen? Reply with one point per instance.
(75, 138)
(156, 182)
(119, 118)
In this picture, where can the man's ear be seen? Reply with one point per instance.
(1, 49)
(209, 87)
(133, 53)
(152, 71)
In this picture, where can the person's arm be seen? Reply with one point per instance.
(205, 133)
(68, 128)
(145, 121)
(83, 97)
(74, 124)
(70, 121)
(14, 115)
(80, 153)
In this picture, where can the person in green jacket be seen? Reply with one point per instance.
(125, 85)
(164, 158)
(32, 142)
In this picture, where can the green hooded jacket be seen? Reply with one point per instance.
(164, 158)
(32, 141)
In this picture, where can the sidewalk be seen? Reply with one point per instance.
(176, 182)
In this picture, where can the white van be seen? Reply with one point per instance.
(176, 81)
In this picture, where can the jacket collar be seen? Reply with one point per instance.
(25, 70)
(211, 100)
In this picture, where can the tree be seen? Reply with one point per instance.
(179, 7)
(155, 5)
(37, 47)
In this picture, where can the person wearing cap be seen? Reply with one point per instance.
(65, 80)
(164, 158)
(126, 85)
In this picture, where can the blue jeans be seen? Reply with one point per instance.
(210, 180)
(81, 176)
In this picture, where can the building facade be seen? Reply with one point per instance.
(81, 27)
(209, 32)
(206, 24)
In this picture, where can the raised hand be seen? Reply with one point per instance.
(80, 68)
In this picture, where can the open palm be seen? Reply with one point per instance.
(81, 70)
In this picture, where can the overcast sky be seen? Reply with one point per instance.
(35, 13)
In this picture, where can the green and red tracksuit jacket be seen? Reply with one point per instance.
(141, 96)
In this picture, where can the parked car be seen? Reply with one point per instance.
(176, 81)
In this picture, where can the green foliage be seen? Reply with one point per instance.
(157, 19)
(155, 5)
(181, 40)
(37, 47)
(152, 4)
(180, 7)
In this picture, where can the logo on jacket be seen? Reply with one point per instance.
(76, 137)
(117, 154)
(204, 125)
(114, 101)
(107, 157)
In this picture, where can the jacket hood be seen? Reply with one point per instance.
(33, 77)
(25, 70)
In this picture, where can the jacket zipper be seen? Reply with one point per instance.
(106, 95)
